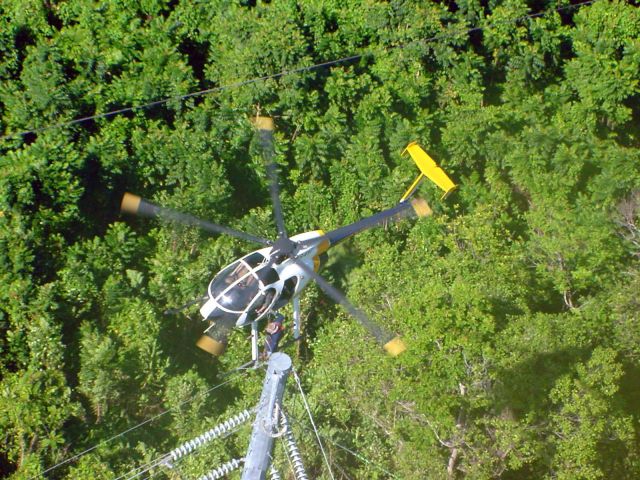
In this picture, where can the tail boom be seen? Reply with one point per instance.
(414, 207)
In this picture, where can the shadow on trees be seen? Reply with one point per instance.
(630, 389)
(525, 387)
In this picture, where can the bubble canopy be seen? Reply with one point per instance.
(237, 293)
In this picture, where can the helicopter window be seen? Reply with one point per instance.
(238, 297)
(268, 275)
(254, 259)
(220, 280)
(289, 287)
(226, 277)
(261, 307)
(287, 292)
(234, 287)
(257, 306)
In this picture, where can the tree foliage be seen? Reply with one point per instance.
(518, 299)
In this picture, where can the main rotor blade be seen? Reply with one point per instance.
(411, 208)
(265, 129)
(392, 344)
(135, 205)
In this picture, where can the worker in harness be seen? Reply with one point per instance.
(274, 332)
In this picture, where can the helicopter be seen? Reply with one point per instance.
(262, 282)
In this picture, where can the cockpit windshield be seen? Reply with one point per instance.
(236, 287)
(239, 296)
(227, 277)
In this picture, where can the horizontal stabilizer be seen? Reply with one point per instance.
(429, 169)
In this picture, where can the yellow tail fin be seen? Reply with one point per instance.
(428, 168)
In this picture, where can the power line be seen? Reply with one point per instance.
(139, 471)
(283, 73)
(199, 93)
(135, 427)
(357, 455)
(169, 459)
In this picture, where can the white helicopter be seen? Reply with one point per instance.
(264, 281)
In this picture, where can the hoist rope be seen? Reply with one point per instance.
(284, 73)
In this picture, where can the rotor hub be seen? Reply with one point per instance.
(283, 248)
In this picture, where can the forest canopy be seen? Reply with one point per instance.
(518, 299)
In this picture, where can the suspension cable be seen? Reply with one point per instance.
(283, 73)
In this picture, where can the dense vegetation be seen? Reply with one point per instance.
(519, 299)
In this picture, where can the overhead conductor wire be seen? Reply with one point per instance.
(283, 73)
(135, 427)
(313, 424)
(357, 455)
(221, 430)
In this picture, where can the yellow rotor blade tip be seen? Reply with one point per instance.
(130, 203)
(395, 347)
(263, 123)
(421, 207)
(211, 346)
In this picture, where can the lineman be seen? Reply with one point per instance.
(274, 332)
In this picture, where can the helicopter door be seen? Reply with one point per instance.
(288, 289)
